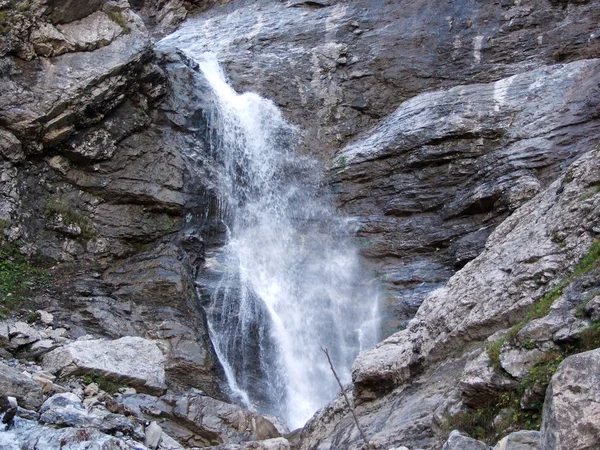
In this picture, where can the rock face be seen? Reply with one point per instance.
(571, 409)
(411, 378)
(462, 153)
(130, 360)
(520, 260)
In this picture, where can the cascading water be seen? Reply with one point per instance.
(292, 281)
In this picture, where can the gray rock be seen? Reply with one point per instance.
(197, 420)
(520, 440)
(10, 147)
(495, 288)
(592, 308)
(22, 334)
(16, 384)
(67, 410)
(65, 11)
(572, 404)
(268, 444)
(129, 360)
(518, 362)
(481, 384)
(460, 441)
(153, 435)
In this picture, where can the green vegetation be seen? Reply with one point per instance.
(56, 208)
(18, 277)
(119, 18)
(542, 307)
(505, 414)
(103, 383)
(12, 14)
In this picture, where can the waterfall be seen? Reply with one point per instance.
(292, 280)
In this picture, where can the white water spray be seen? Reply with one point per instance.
(293, 282)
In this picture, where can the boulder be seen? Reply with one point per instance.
(130, 360)
(481, 384)
(268, 444)
(196, 420)
(22, 334)
(68, 410)
(16, 384)
(460, 441)
(520, 440)
(571, 415)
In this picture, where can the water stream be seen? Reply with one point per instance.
(292, 281)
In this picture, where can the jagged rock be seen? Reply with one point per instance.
(153, 434)
(197, 420)
(520, 254)
(518, 362)
(67, 410)
(129, 360)
(45, 380)
(21, 334)
(480, 384)
(571, 408)
(10, 147)
(459, 441)
(16, 384)
(520, 440)
(268, 444)
(46, 438)
(592, 308)
(65, 11)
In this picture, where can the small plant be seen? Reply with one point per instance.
(18, 278)
(541, 307)
(103, 383)
(119, 18)
(58, 209)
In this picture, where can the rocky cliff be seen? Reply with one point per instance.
(462, 135)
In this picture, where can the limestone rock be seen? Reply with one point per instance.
(520, 440)
(571, 409)
(22, 334)
(459, 441)
(480, 383)
(518, 362)
(197, 420)
(67, 410)
(493, 290)
(153, 434)
(129, 360)
(268, 444)
(14, 383)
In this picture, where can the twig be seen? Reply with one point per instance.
(362, 433)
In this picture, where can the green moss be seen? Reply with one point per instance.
(56, 208)
(541, 308)
(18, 279)
(103, 383)
(493, 350)
(119, 18)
